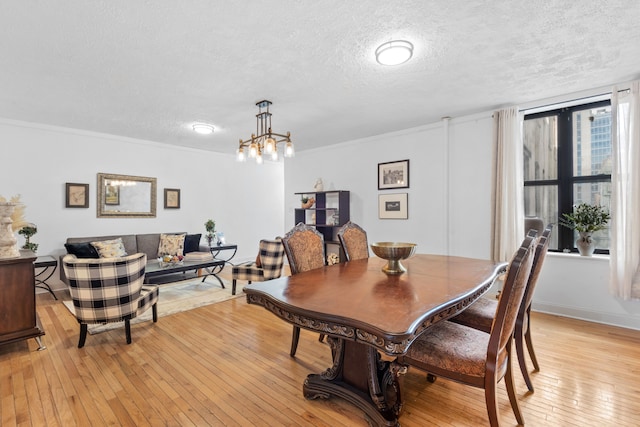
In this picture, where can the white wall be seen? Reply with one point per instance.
(246, 201)
(450, 208)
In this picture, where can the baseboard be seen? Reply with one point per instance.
(588, 315)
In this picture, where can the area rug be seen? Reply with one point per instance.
(175, 298)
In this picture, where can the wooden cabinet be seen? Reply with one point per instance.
(328, 214)
(18, 317)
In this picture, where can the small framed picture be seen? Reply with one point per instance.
(112, 195)
(77, 195)
(171, 198)
(393, 206)
(393, 175)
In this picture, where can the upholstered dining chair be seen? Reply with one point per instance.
(267, 266)
(107, 290)
(353, 240)
(480, 314)
(304, 247)
(473, 357)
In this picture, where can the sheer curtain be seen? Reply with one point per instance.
(508, 193)
(625, 202)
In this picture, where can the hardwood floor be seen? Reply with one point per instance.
(228, 364)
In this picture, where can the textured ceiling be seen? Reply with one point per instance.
(149, 69)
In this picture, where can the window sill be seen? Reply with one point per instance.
(576, 256)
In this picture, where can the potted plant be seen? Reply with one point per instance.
(28, 231)
(586, 219)
(210, 227)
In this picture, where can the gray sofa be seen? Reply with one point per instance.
(135, 243)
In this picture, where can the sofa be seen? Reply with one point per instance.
(133, 243)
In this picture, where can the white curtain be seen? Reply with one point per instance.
(508, 183)
(625, 202)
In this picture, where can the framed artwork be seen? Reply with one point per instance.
(171, 198)
(112, 195)
(393, 206)
(77, 195)
(393, 175)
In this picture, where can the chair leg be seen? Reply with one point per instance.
(154, 310)
(127, 330)
(233, 287)
(491, 401)
(527, 337)
(294, 341)
(511, 390)
(519, 338)
(83, 335)
(321, 337)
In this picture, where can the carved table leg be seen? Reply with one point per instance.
(361, 378)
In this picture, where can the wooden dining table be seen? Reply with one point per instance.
(365, 312)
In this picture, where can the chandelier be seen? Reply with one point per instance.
(264, 141)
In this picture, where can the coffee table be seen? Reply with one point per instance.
(211, 266)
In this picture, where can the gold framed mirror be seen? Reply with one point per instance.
(126, 196)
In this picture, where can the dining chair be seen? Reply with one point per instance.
(304, 247)
(481, 313)
(473, 357)
(267, 266)
(107, 290)
(353, 240)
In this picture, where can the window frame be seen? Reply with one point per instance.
(565, 179)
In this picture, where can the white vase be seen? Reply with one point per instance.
(8, 241)
(585, 243)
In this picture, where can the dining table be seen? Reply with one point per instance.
(366, 313)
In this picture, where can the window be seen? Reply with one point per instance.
(567, 161)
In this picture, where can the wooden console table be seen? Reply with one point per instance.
(18, 317)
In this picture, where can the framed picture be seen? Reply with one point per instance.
(112, 195)
(393, 206)
(171, 198)
(77, 195)
(393, 175)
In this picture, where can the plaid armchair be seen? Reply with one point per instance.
(109, 290)
(268, 264)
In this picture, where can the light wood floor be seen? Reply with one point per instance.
(228, 364)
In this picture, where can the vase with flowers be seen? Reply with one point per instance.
(210, 228)
(586, 219)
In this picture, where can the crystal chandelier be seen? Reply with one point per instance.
(264, 142)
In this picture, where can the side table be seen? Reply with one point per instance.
(48, 264)
(216, 249)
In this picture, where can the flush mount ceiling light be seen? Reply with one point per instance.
(203, 128)
(264, 141)
(395, 52)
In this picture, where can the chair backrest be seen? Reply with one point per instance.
(353, 240)
(304, 247)
(271, 258)
(510, 300)
(538, 259)
(533, 223)
(105, 289)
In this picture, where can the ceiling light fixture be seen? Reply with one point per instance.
(395, 52)
(203, 128)
(264, 141)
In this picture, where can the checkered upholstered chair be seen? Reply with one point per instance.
(473, 357)
(353, 240)
(481, 313)
(107, 290)
(304, 247)
(268, 264)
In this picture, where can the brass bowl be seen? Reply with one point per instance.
(393, 252)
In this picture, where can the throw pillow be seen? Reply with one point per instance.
(192, 243)
(82, 250)
(110, 248)
(171, 244)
